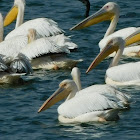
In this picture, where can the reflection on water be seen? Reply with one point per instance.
(94, 130)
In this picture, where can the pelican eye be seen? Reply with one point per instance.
(107, 7)
(64, 85)
(110, 42)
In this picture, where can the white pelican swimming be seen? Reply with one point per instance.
(36, 50)
(44, 27)
(94, 103)
(124, 74)
(111, 12)
(11, 71)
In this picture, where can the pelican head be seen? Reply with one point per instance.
(112, 45)
(19, 2)
(18, 8)
(75, 73)
(107, 12)
(31, 35)
(65, 88)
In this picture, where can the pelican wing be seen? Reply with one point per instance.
(1, 58)
(110, 92)
(42, 46)
(3, 67)
(124, 72)
(124, 33)
(44, 27)
(88, 101)
(21, 64)
(11, 47)
(62, 40)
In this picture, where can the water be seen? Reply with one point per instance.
(19, 119)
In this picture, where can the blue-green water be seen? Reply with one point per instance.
(19, 119)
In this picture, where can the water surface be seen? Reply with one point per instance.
(19, 119)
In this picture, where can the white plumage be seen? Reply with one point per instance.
(132, 51)
(91, 99)
(12, 46)
(111, 12)
(126, 73)
(94, 103)
(35, 50)
(50, 40)
(44, 54)
(124, 33)
(12, 63)
(62, 40)
(41, 47)
(44, 27)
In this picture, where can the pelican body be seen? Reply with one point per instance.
(111, 12)
(94, 103)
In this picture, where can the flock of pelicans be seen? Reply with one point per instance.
(40, 43)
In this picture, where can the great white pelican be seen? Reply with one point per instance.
(95, 103)
(111, 12)
(44, 27)
(124, 74)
